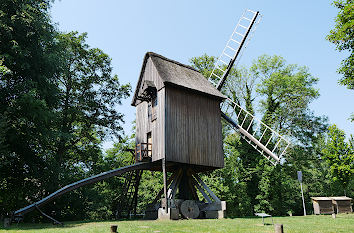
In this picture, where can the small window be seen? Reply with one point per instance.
(154, 109)
(149, 145)
(149, 111)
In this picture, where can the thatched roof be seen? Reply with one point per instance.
(178, 74)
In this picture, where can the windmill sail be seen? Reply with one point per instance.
(234, 47)
(263, 138)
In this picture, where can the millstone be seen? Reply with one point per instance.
(189, 209)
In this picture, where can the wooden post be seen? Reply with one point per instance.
(279, 228)
(7, 222)
(114, 228)
(165, 185)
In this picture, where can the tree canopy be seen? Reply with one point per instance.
(279, 94)
(58, 100)
(342, 35)
(340, 156)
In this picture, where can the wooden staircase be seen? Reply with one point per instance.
(128, 199)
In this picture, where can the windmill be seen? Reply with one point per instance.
(178, 132)
(178, 123)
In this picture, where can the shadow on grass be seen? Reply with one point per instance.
(34, 226)
(66, 224)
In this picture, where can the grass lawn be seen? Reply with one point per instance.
(312, 223)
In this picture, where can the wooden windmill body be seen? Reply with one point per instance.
(179, 120)
(178, 126)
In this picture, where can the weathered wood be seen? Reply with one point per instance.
(164, 172)
(114, 228)
(162, 190)
(191, 186)
(196, 184)
(187, 128)
(176, 184)
(193, 128)
(216, 199)
(278, 228)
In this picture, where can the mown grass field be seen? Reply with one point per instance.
(324, 223)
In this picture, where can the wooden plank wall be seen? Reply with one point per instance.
(143, 123)
(143, 126)
(193, 128)
(151, 74)
(158, 134)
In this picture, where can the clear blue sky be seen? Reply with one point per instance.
(179, 30)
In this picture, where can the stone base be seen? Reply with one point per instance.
(214, 214)
(215, 210)
(172, 214)
(151, 214)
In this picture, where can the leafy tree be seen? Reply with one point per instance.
(86, 115)
(343, 37)
(89, 95)
(340, 156)
(28, 96)
(286, 91)
(58, 100)
(280, 94)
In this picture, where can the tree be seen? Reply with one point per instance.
(340, 156)
(343, 37)
(89, 95)
(280, 95)
(58, 100)
(87, 114)
(28, 96)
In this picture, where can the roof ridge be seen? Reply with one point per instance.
(173, 61)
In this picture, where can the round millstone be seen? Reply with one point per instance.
(189, 209)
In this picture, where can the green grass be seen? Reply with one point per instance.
(323, 223)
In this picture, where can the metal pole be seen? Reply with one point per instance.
(303, 200)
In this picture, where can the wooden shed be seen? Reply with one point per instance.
(322, 205)
(342, 204)
(178, 115)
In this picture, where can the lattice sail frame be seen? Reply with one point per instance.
(273, 148)
(263, 137)
(236, 44)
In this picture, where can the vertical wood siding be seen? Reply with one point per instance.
(193, 128)
(151, 74)
(187, 128)
(143, 123)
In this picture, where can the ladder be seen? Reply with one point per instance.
(260, 136)
(128, 199)
(234, 47)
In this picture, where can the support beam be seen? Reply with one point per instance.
(191, 186)
(46, 215)
(172, 177)
(196, 184)
(164, 172)
(178, 180)
(249, 136)
(216, 199)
